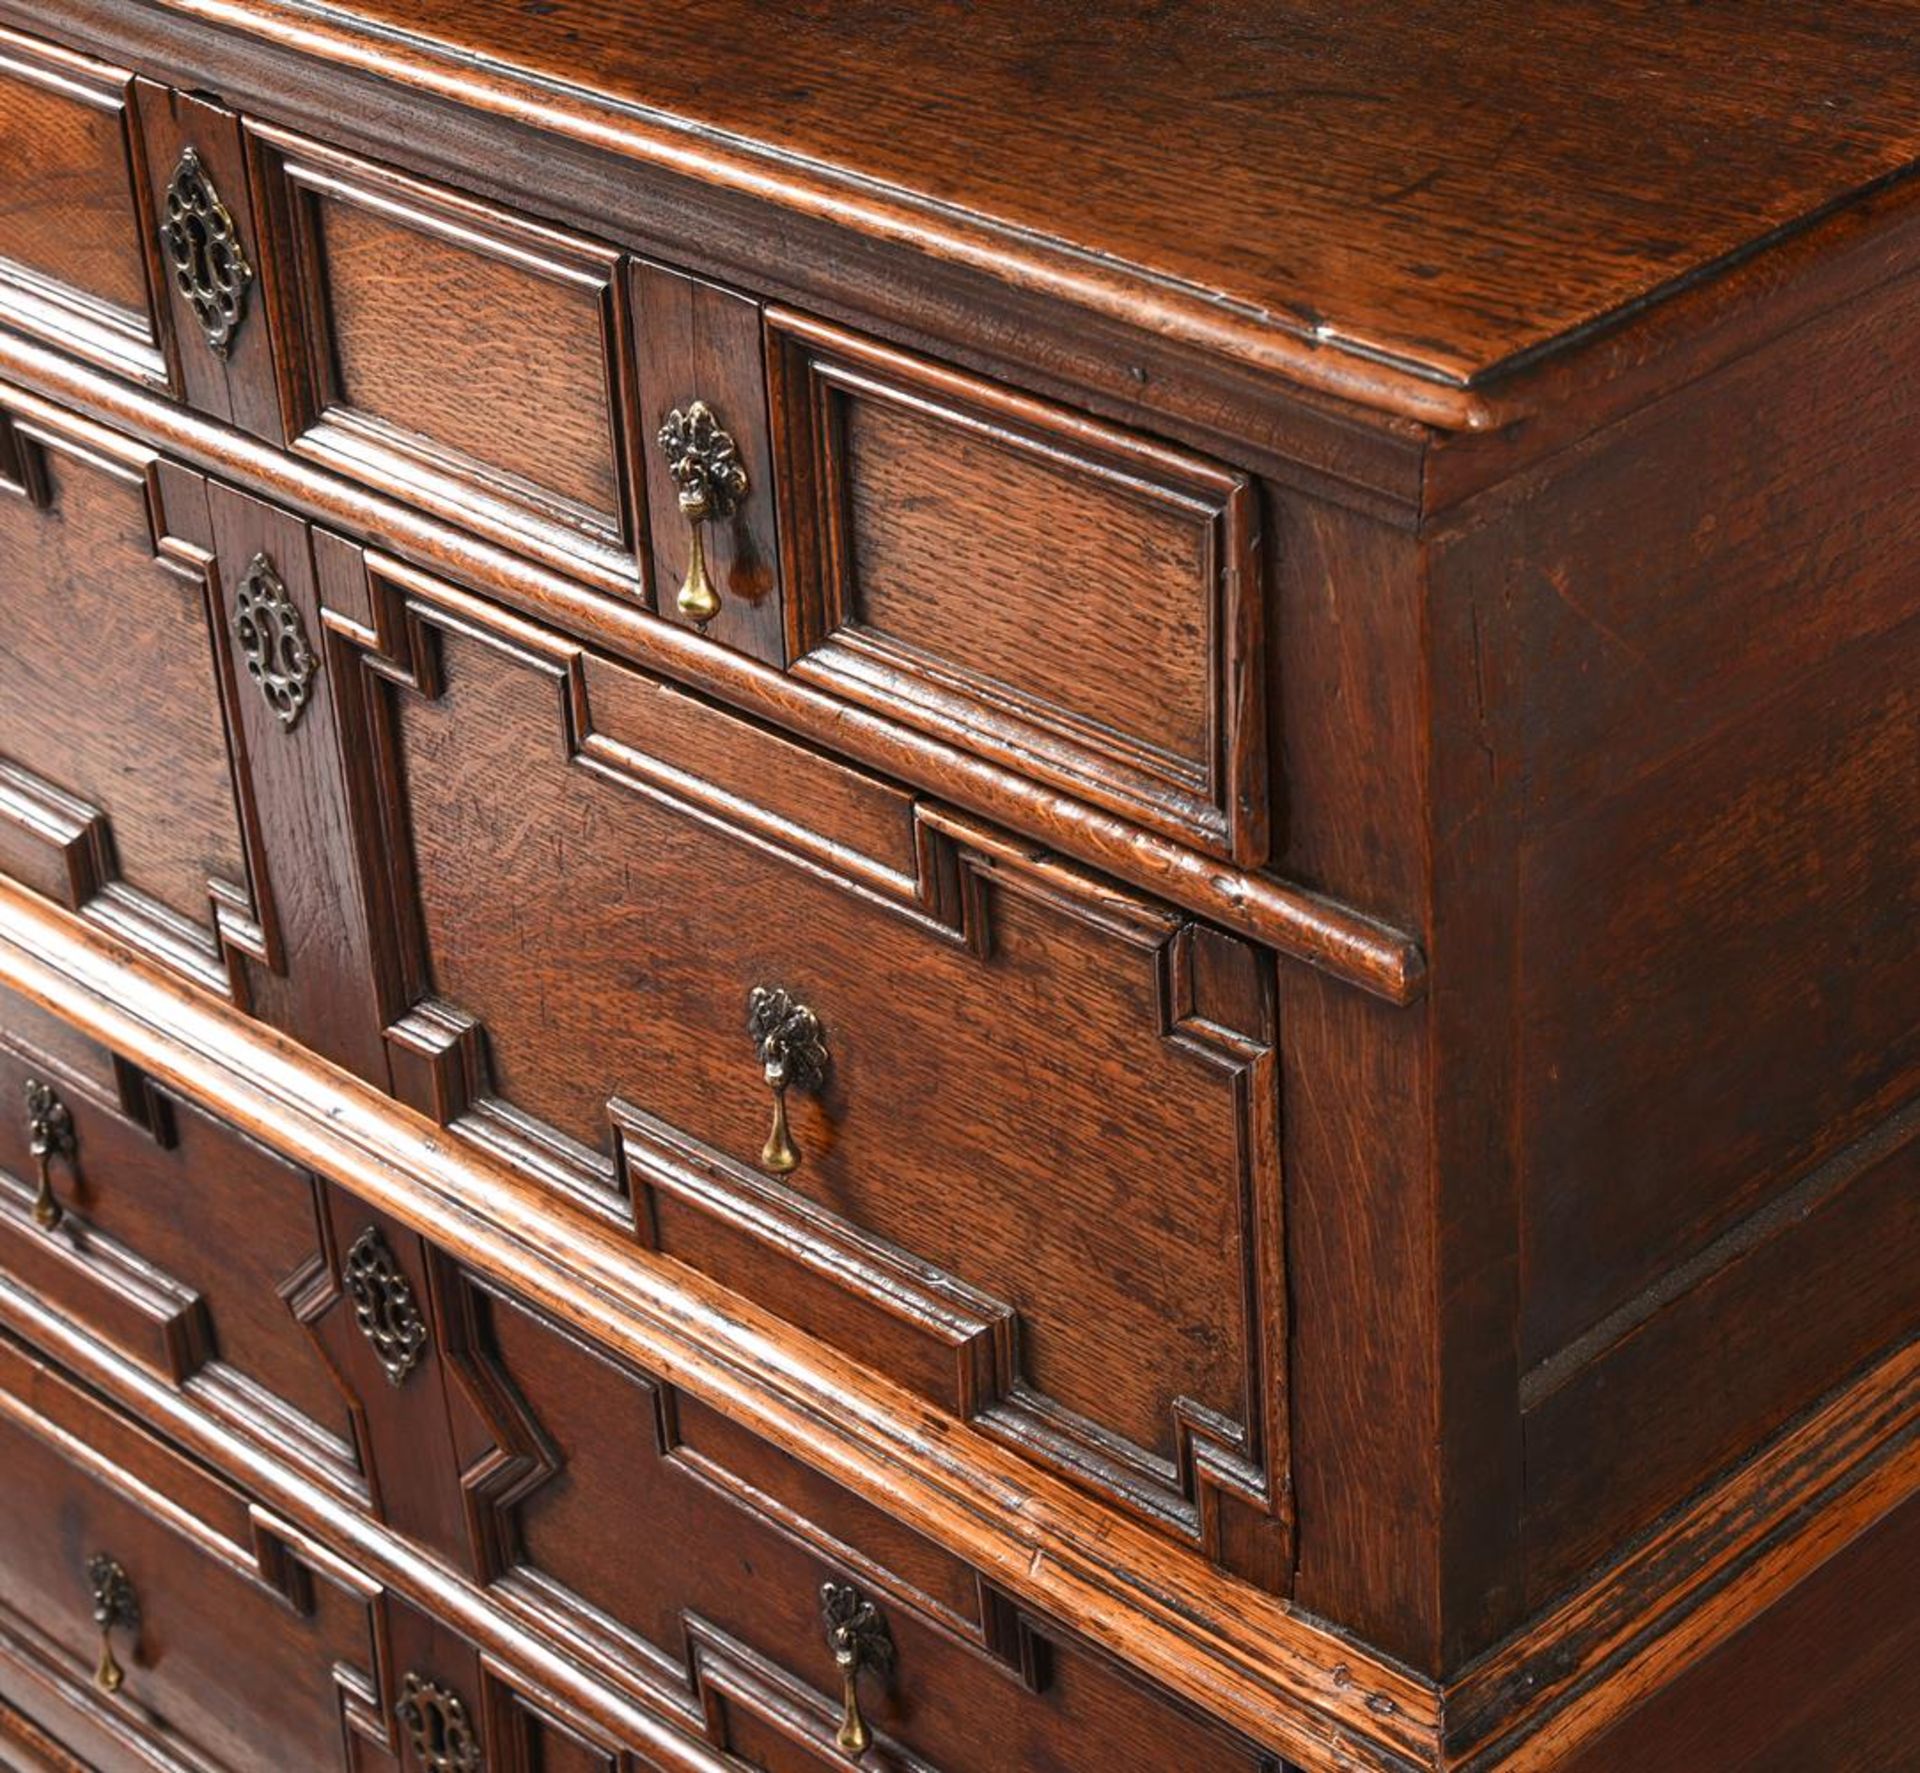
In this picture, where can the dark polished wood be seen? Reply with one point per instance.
(516, 421)
(1081, 855)
(1716, 1564)
(1537, 174)
(232, 379)
(1024, 580)
(162, 854)
(570, 1441)
(1840, 1710)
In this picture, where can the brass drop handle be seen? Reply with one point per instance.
(49, 1135)
(115, 1608)
(858, 1637)
(792, 1046)
(705, 465)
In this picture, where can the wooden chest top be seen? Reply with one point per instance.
(1435, 191)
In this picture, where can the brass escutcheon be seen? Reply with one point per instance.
(437, 1722)
(203, 253)
(273, 641)
(384, 1306)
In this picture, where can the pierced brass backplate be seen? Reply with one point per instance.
(115, 1608)
(438, 1726)
(203, 253)
(858, 1637)
(383, 1305)
(273, 640)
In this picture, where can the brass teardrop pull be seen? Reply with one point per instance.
(705, 465)
(115, 1608)
(792, 1046)
(858, 1637)
(49, 1135)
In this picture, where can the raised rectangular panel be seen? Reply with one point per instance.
(1026, 581)
(116, 788)
(74, 236)
(182, 1243)
(466, 359)
(232, 1649)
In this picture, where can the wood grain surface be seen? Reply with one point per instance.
(108, 627)
(1314, 681)
(1450, 186)
(65, 147)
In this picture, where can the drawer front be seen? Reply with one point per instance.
(180, 1242)
(1024, 581)
(288, 1310)
(467, 360)
(116, 787)
(74, 259)
(714, 1590)
(148, 1615)
(1037, 1176)
(1071, 599)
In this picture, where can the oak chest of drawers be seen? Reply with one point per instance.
(953, 889)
